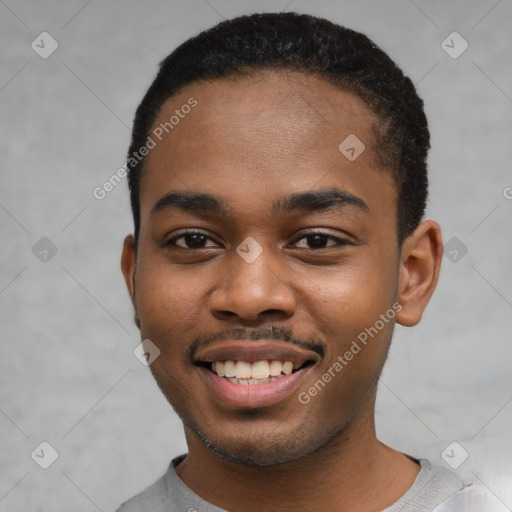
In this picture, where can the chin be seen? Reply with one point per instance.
(253, 454)
(261, 448)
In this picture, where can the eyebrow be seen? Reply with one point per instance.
(191, 202)
(318, 200)
(300, 202)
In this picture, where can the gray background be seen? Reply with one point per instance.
(68, 374)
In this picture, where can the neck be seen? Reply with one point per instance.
(353, 470)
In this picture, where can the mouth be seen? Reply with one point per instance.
(260, 372)
(253, 374)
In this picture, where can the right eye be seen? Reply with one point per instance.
(191, 240)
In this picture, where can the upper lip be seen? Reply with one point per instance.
(252, 351)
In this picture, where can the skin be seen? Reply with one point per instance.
(252, 140)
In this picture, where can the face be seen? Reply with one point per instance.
(261, 243)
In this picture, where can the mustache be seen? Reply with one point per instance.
(269, 332)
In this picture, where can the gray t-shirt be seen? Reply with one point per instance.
(435, 489)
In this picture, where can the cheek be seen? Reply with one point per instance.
(349, 317)
(168, 301)
(351, 298)
(354, 331)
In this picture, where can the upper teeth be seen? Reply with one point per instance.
(257, 370)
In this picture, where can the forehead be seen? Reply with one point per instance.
(278, 131)
(262, 102)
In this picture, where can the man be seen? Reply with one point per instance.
(278, 182)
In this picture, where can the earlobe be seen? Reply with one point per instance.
(420, 264)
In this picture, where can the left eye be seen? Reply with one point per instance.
(318, 241)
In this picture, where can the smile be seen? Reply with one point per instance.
(259, 372)
(248, 374)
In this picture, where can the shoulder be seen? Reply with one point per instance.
(438, 489)
(168, 494)
(156, 497)
(472, 498)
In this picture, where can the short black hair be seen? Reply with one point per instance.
(313, 46)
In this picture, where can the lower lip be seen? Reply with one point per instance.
(252, 395)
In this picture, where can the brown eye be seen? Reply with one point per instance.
(192, 240)
(319, 241)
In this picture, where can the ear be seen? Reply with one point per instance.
(129, 268)
(420, 263)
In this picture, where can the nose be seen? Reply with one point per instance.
(252, 293)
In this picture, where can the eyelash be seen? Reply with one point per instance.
(339, 241)
(172, 241)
